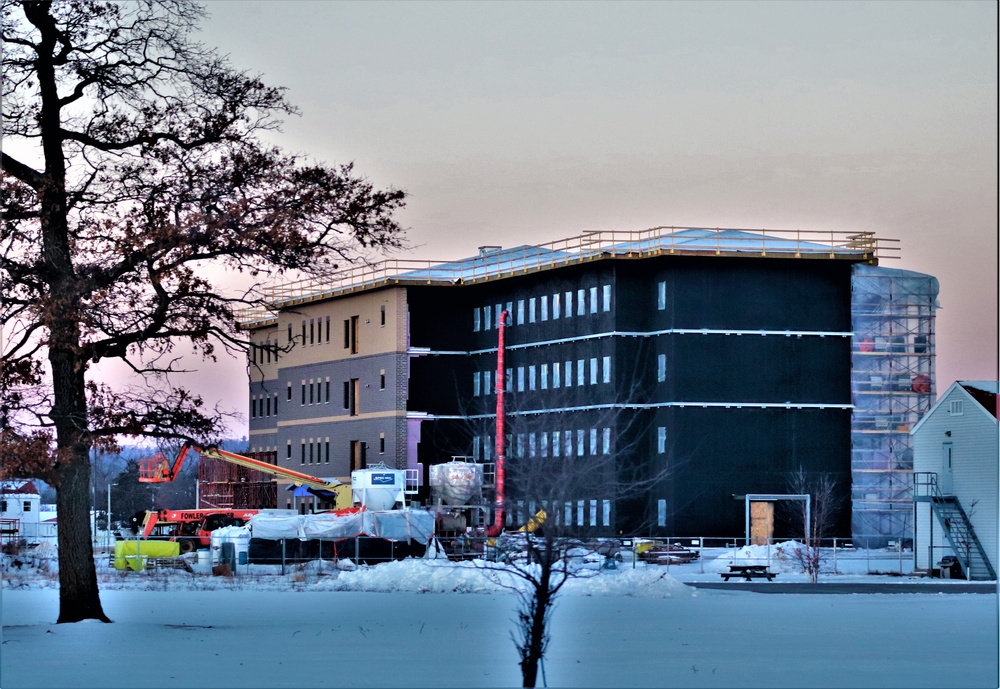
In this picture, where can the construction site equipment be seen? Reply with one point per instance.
(190, 529)
(158, 469)
(496, 528)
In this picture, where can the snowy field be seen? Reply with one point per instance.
(421, 623)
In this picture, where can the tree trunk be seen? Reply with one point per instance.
(79, 596)
(536, 635)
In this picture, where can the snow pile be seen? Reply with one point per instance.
(647, 582)
(779, 557)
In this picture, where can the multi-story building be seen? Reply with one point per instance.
(720, 360)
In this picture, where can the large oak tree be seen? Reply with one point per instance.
(134, 161)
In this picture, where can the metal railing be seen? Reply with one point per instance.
(498, 263)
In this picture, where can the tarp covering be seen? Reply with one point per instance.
(392, 525)
(125, 552)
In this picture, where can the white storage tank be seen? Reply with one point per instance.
(456, 482)
(239, 536)
(378, 487)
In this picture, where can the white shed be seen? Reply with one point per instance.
(956, 465)
(20, 504)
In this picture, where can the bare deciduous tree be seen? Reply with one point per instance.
(133, 161)
(823, 506)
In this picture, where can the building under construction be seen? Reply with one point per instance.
(732, 358)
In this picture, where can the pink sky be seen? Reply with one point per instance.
(513, 123)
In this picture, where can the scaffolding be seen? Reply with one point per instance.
(892, 386)
(224, 485)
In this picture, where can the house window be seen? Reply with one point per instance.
(381, 443)
(312, 331)
(381, 379)
(328, 330)
(302, 452)
(288, 450)
(381, 316)
(358, 460)
(27, 506)
(327, 390)
(310, 392)
(289, 392)
(327, 450)
(955, 408)
(303, 392)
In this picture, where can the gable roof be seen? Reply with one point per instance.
(18, 487)
(983, 394)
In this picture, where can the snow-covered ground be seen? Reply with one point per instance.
(427, 623)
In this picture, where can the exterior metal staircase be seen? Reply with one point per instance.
(957, 527)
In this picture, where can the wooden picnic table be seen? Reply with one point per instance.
(749, 572)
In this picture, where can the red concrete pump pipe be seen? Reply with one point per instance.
(498, 516)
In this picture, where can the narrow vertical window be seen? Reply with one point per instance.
(302, 452)
(355, 396)
(532, 447)
(519, 444)
(580, 518)
(545, 376)
(347, 394)
(312, 331)
(555, 375)
(328, 330)
(475, 447)
(509, 383)
(487, 378)
(593, 441)
(288, 450)
(381, 443)
(531, 377)
(661, 512)
(487, 449)
(581, 374)
(290, 340)
(288, 392)
(606, 512)
(520, 378)
(593, 512)
(568, 377)
(581, 302)
(555, 307)
(311, 392)
(607, 369)
(661, 295)
(593, 300)
(303, 393)
(568, 443)
(476, 325)
(556, 444)
(579, 443)
(568, 516)
(275, 404)
(606, 306)
(354, 334)
(381, 379)
(661, 439)
(347, 333)
(661, 367)
(487, 317)
(593, 371)
(327, 448)
(475, 383)
(327, 390)
(267, 406)
(381, 316)
(544, 443)
(606, 441)
(543, 307)
(520, 311)
(568, 305)
(531, 310)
